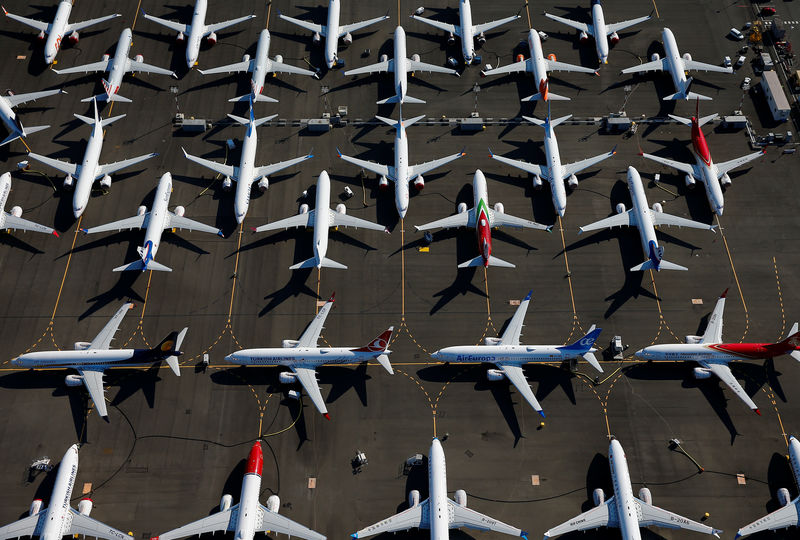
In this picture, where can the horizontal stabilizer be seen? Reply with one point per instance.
(139, 265)
(681, 95)
(665, 265)
(257, 122)
(592, 359)
(34, 129)
(314, 263)
(550, 95)
(384, 361)
(106, 97)
(493, 261)
(259, 98)
(396, 99)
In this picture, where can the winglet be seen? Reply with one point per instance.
(144, 14)
(530, 293)
(84, 231)
(491, 154)
(463, 151)
(338, 152)
(333, 294)
(327, 416)
(757, 412)
(4, 10)
(220, 233)
(549, 228)
(355, 535)
(524, 534)
(614, 150)
(55, 233)
(541, 413)
(724, 294)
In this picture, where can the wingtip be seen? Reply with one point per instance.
(333, 297)
(327, 416)
(55, 233)
(528, 297)
(84, 231)
(614, 150)
(4, 10)
(758, 412)
(524, 534)
(491, 154)
(724, 293)
(541, 413)
(220, 233)
(549, 228)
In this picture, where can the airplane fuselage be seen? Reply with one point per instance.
(708, 170)
(55, 32)
(87, 171)
(261, 64)
(290, 356)
(156, 221)
(322, 221)
(401, 179)
(483, 223)
(716, 352)
(5, 189)
(400, 63)
(467, 33)
(244, 180)
(118, 63)
(555, 171)
(332, 39)
(794, 458)
(196, 30)
(600, 33)
(643, 214)
(58, 509)
(627, 508)
(537, 62)
(505, 354)
(9, 118)
(248, 498)
(674, 60)
(437, 493)
(79, 359)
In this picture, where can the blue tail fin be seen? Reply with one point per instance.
(584, 344)
(655, 254)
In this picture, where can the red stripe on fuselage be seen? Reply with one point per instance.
(699, 142)
(484, 236)
(747, 350)
(255, 460)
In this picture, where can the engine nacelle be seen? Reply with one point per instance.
(413, 498)
(687, 57)
(85, 506)
(598, 497)
(645, 495)
(583, 37)
(495, 375)
(655, 57)
(613, 38)
(142, 210)
(451, 38)
(520, 57)
(16, 211)
(384, 58)
(414, 58)
(347, 39)
(278, 58)
(499, 208)
(73, 380)
(36, 505)
(461, 208)
(419, 183)
(41, 36)
(139, 58)
(620, 208)
(341, 208)
(105, 182)
(572, 181)
(552, 57)
(74, 37)
(783, 497)
(481, 38)
(492, 341)
(461, 498)
(225, 502)
(286, 377)
(263, 184)
(273, 504)
(289, 343)
(303, 209)
(246, 58)
(701, 373)
(212, 38)
(81, 345)
(657, 207)
(537, 181)
(690, 181)
(180, 37)
(317, 38)
(383, 183)
(725, 180)
(68, 181)
(692, 340)
(180, 211)
(105, 58)
(227, 184)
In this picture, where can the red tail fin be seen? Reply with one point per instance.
(379, 344)
(791, 343)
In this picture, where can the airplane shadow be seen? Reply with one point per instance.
(462, 284)
(131, 382)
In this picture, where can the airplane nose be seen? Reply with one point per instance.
(239, 218)
(640, 352)
(435, 355)
(402, 212)
(719, 210)
(77, 211)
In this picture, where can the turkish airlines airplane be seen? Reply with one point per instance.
(438, 512)
(59, 519)
(604, 34)
(91, 358)
(645, 220)
(483, 219)
(538, 66)
(400, 66)
(248, 517)
(509, 356)
(155, 222)
(710, 174)
(10, 118)
(59, 28)
(117, 67)
(788, 515)
(332, 31)
(196, 30)
(465, 30)
(677, 66)
(303, 356)
(13, 219)
(259, 66)
(713, 355)
(625, 511)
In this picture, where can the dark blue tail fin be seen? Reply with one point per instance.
(584, 344)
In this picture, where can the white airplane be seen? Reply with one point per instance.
(332, 31)
(677, 66)
(465, 30)
(13, 219)
(553, 171)
(788, 515)
(156, 221)
(91, 358)
(248, 516)
(259, 66)
(10, 118)
(117, 67)
(438, 512)
(196, 30)
(247, 172)
(538, 66)
(483, 220)
(624, 511)
(303, 356)
(401, 173)
(321, 218)
(89, 170)
(714, 356)
(400, 66)
(645, 220)
(59, 28)
(507, 354)
(603, 34)
(710, 174)
(59, 519)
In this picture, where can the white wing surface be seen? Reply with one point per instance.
(94, 67)
(63, 166)
(530, 168)
(783, 518)
(415, 517)
(307, 376)
(694, 65)
(555, 65)
(424, 168)
(102, 340)
(135, 222)
(93, 381)
(498, 219)
(583, 27)
(27, 526)
(141, 67)
(216, 27)
(266, 170)
(274, 522)
(299, 220)
(516, 376)
(713, 333)
(514, 328)
(380, 67)
(726, 166)
(230, 68)
(377, 168)
(660, 218)
(86, 526)
(177, 27)
(450, 222)
(726, 376)
(578, 166)
(354, 27)
(618, 220)
(111, 168)
(485, 27)
(687, 168)
(311, 27)
(461, 516)
(657, 65)
(311, 335)
(622, 25)
(221, 521)
(428, 68)
(516, 67)
(280, 67)
(18, 223)
(604, 515)
(33, 23)
(653, 515)
(451, 28)
(219, 168)
(181, 222)
(18, 99)
(76, 27)
(343, 220)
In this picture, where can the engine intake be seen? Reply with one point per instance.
(289, 343)
(180, 37)
(657, 207)
(279, 58)
(495, 375)
(613, 38)
(225, 502)
(139, 58)
(725, 180)
(499, 208)
(687, 57)
(413, 498)
(620, 208)
(85, 506)
(537, 181)
(74, 37)
(491, 341)
(274, 504)
(287, 378)
(36, 506)
(645, 495)
(419, 183)
(212, 38)
(341, 208)
(142, 210)
(598, 497)
(461, 498)
(263, 184)
(73, 380)
(583, 37)
(16, 211)
(783, 497)
(69, 181)
(227, 184)
(303, 209)
(461, 208)
(81, 345)
(180, 211)
(348, 38)
(701, 373)
(572, 182)
(383, 183)
(655, 57)
(105, 182)
(692, 340)
(690, 181)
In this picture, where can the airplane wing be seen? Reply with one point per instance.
(514, 328)
(93, 381)
(94, 67)
(461, 516)
(724, 373)
(377, 168)
(177, 27)
(266, 170)
(498, 219)
(311, 27)
(380, 67)
(135, 222)
(216, 27)
(450, 222)
(76, 27)
(111, 168)
(63, 166)
(516, 67)
(657, 65)
(343, 220)
(660, 218)
(311, 335)
(280, 67)
(219, 168)
(583, 27)
(516, 376)
(17, 223)
(18, 99)
(713, 333)
(140, 67)
(103, 339)
(86, 526)
(181, 222)
(428, 68)
(653, 515)
(229, 68)
(414, 517)
(308, 378)
(274, 522)
(578, 166)
(485, 27)
(726, 166)
(617, 220)
(687, 168)
(452, 28)
(424, 168)
(555, 65)
(221, 521)
(604, 515)
(299, 220)
(27, 526)
(783, 518)
(694, 65)
(530, 168)
(354, 27)
(622, 25)
(33, 23)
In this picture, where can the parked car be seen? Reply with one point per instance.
(740, 61)
(746, 83)
(736, 34)
(726, 61)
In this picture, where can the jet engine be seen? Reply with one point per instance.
(278, 58)
(461, 497)
(481, 38)
(645, 495)
(491, 341)
(139, 58)
(783, 497)
(725, 180)
(36, 505)
(142, 210)
(701, 373)
(461, 208)
(689, 179)
(499, 208)
(81, 345)
(73, 380)
(494, 375)
(303, 210)
(520, 57)
(286, 377)
(413, 498)
(384, 58)
(245, 58)
(317, 38)
(537, 181)
(105, 58)
(451, 39)
(180, 211)
(347, 39)
(655, 57)
(68, 181)
(212, 38)
(657, 207)
(687, 57)
(572, 181)
(263, 184)
(551, 57)
(692, 340)
(383, 183)
(414, 58)
(289, 343)
(227, 184)
(74, 37)
(613, 38)
(105, 182)
(180, 37)
(620, 208)
(598, 497)
(419, 183)
(85, 506)
(583, 37)
(273, 504)
(225, 502)
(341, 208)
(41, 35)
(16, 211)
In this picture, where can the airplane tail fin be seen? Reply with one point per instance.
(171, 346)
(259, 98)
(140, 265)
(313, 262)
(584, 347)
(550, 95)
(790, 345)
(380, 345)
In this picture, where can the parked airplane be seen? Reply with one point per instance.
(13, 219)
(259, 67)
(248, 516)
(710, 174)
(438, 512)
(401, 66)
(59, 519)
(117, 67)
(401, 173)
(645, 219)
(59, 28)
(321, 218)
(713, 355)
(303, 356)
(603, 34)
(623, 510)
(465, 30)
(553, 171)
(196, 30)
(247, 172)
(89, 170)
(509, 356)
(483, 220)
(156, 221)
(677, 66)
(91, 358)
(10, 118)
(538, 66)
(788, 515)
(332, 31)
